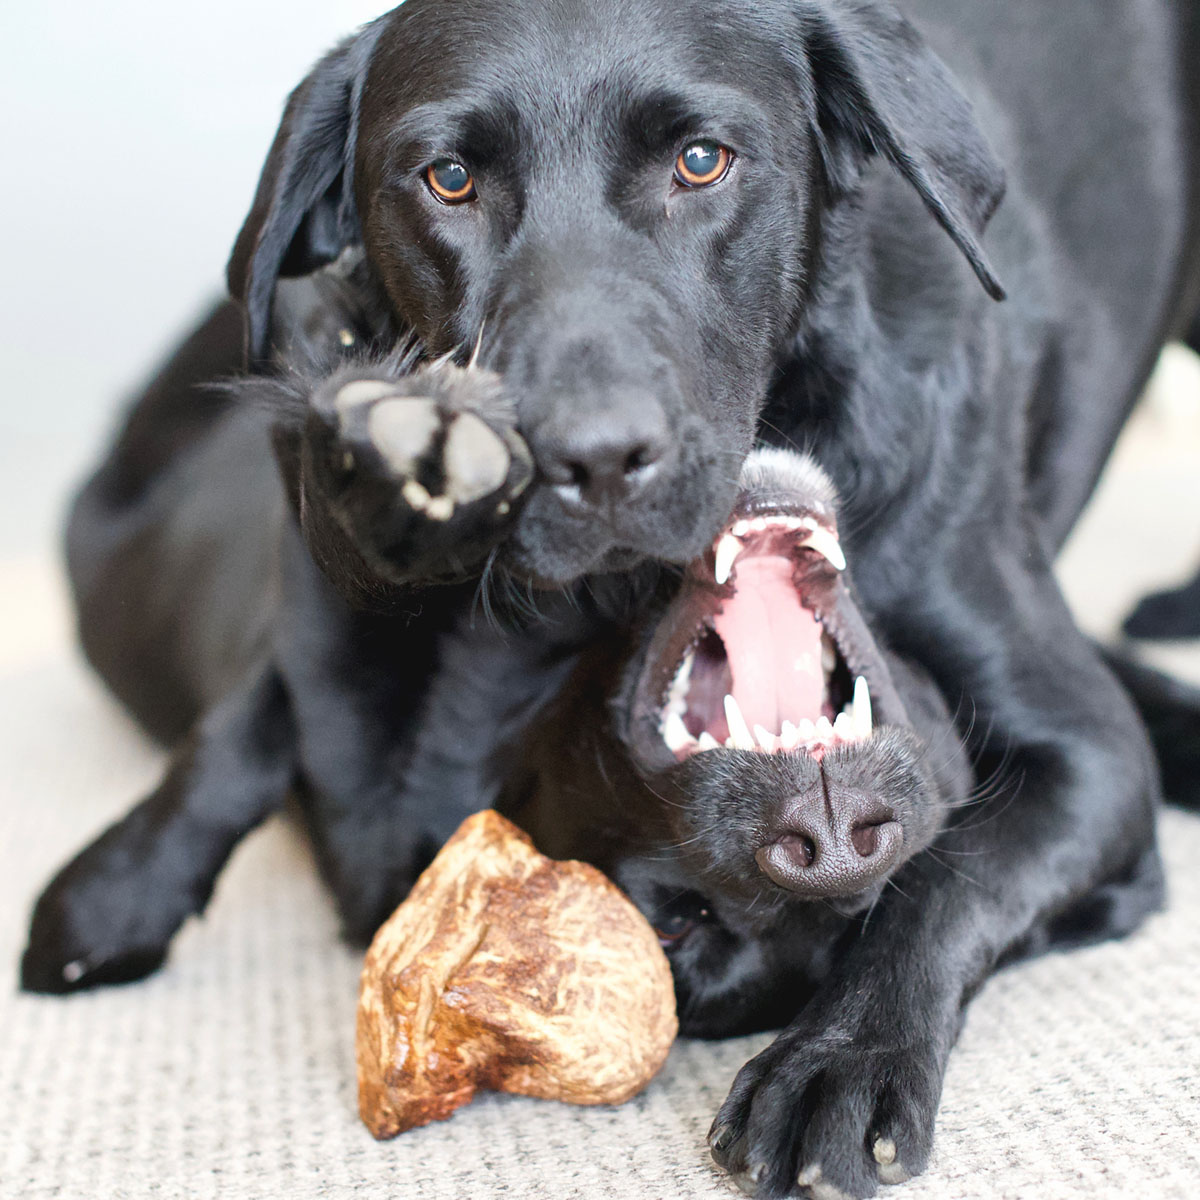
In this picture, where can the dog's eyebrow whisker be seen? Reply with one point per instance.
(789, 441)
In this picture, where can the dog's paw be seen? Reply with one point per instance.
(424, 471)
(829, 1112)
(79, 942)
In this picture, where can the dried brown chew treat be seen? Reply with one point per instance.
(508, 971)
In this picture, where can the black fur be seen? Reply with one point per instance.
(1169, 615)
(826, 293)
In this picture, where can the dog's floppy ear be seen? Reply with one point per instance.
(881, 90)
(304, 214)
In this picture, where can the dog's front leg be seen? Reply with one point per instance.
(404, 722)
(108, 916)
(846, 1097)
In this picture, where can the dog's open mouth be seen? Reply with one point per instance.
(762, 650)
(763, 672)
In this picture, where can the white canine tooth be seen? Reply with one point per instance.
(708, 742)
(863, 720)
(845, 728)
(675, 733)
(824, 730)
(728, 548)
(826, 544)
(768, 741)
(743, 739)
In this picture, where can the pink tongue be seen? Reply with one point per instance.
(774, 646)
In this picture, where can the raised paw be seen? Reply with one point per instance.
(828, 1113)
(423, 471)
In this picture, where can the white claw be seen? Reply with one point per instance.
(708, 742)
(824, 730)
(728, 548)
(844, 727)
(768, 741)
(739, 731)
(675, 733)
(827, 545)
(863, 721)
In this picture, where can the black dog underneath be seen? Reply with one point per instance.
(668, 232)
(749, 763)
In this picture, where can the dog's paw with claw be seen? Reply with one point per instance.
(829, 1111)
(424, 472)
(88, 932)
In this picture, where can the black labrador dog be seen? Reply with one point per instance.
(663, 230)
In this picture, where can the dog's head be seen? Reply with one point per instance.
(761, 695)
(626, 199)
(765, 767)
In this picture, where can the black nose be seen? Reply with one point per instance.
(831, 847)
(603, 456)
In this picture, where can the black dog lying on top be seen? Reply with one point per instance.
(771, 209)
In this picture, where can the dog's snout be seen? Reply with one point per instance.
(831, 846)
(604, 456)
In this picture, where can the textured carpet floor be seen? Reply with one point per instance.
(231, 1073)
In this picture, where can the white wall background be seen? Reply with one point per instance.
(131, 136)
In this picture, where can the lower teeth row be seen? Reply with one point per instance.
(853, 724)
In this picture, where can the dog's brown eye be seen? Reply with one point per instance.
(702, 163)
(450, 181)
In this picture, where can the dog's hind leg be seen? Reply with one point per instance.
(108, 916)
(1167, 616)
(1172, 614)
(1170, 709)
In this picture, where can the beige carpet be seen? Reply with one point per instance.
(231, 1073)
